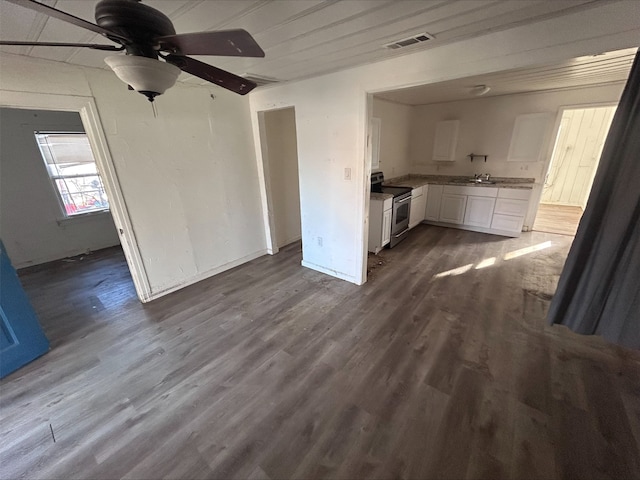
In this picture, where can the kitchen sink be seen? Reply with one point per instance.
(477, 180)
(473, 180)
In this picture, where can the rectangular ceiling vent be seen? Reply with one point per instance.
(405, 42)
(259, 80)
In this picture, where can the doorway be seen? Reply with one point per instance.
(55, 221)
(52, 204)
(280, 156)
(579, 142)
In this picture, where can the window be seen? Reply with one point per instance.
(72, 169)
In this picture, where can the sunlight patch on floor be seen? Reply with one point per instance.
(527, 250)
(455, 271)
(487, 262)
(491, 261)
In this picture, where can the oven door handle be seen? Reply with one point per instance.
(404, 200)
(401, 233)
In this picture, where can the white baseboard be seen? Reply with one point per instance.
(203, 275)
(328, 271)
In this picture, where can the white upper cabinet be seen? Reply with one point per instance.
(374, 146)
(529, 137)
(445, 141)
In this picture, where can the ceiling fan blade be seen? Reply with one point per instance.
(212, 74)
(95, 46)
(231, 43)
(66, 17)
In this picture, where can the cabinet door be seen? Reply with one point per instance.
(386, 227)
(445, 141)
(479, 211)
(433, 197)
(421, 203)
(376, 217)
(529, 137)
(417, 207)
(452, 208)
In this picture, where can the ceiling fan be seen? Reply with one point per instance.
(147, 36)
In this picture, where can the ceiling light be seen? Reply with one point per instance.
(479, 90)
(148, 76)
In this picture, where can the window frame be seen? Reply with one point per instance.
(54, 178)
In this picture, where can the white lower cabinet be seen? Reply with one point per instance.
(380, 213)
(433, 198)
(479, 211)
(386, 226)
(485, 209)
(506, 223)
(510, 210)
(452, 208)
(418, 201)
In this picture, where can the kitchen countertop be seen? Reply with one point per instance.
(415, 181)
(380, 196)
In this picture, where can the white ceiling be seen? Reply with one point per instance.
(301, 38)
(610, 67)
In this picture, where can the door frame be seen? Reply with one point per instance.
(269, 215)
(534, 206)
(88, 111)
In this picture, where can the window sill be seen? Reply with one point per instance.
(82, 217)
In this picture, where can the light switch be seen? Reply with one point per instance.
(347, 173)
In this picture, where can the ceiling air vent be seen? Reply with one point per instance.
(258, 79)
(405, 42)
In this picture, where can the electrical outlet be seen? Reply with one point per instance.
(319, 241)
(347, 173)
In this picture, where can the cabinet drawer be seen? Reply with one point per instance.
(515, 193)
(508, 223)
(507, 206)
(416, 192)
(388, 203)
(475, 191)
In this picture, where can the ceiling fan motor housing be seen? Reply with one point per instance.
(139, 23)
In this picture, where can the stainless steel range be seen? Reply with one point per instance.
(401, 207)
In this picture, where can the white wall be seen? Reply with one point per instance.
(486, 125)
(189, 177)
(329, 139)
(30, 212)
(332, 114)
(280, 126)
(394, 136)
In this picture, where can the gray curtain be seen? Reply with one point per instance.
(599, 289)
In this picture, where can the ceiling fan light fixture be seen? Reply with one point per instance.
(479, 90)
(148, 76)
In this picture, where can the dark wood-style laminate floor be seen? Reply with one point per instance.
(441, 366)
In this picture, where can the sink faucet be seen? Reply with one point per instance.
(481, 177)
